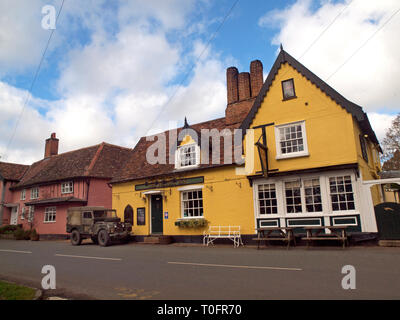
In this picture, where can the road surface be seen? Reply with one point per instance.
(139, 271)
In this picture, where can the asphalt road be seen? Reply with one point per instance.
(138, 271)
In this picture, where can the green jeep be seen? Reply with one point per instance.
(98, 223)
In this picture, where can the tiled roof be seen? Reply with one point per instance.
(351, 107)
(137, 167)
(12, 171)
(99, 161)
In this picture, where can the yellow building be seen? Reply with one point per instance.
(307, 151)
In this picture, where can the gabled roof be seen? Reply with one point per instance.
(137, 167)
(351, 107)
(99, 161)
(12, 171)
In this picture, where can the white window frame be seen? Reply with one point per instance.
(35, 195)
(50, 211)
(279, 154)
(182, 203)
(265, 215)
(353, 186)
(303, 195)
(22, 212)
(23, 194)
(67, 187)
(326, 212)
(178, 164)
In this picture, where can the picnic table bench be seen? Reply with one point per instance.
(223, 232)
(315, 233)
(281, 234)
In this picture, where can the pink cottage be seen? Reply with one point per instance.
(39, 195)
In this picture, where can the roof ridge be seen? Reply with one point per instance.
(284, 57)
(116, 146)
(94, 159)
(16, 164)
(182, 127)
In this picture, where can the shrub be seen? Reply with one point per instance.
(8, 229)
(21, 234)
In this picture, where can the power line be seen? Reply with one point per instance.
(194, 64)
(330, 24)
(360, 47)
(28, 95)
(322, 32)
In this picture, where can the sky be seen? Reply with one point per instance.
(118, 70)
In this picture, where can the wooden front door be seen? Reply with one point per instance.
(156, 214)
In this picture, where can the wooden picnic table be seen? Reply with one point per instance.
(315, 233)
(266, 234)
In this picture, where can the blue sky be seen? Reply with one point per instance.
(112, 67)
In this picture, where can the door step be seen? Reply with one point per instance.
(157, 239)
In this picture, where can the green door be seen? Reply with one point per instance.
(388, 220)
(156, 214)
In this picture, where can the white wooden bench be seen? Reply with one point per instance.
(222, 232)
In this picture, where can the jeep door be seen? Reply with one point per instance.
(87, 222)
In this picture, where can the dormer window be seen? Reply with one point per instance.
(187, 156)
(288, 89)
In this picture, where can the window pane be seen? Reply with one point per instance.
(267, 199)
(341, 192)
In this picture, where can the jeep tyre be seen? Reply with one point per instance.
(76, 238)
(103, 238)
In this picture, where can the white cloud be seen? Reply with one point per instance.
(113, 87)
(381, 123)
(22, 37)
(370, 79)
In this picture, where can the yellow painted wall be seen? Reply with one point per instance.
(227, 200)
(370, 170)
(329, 127)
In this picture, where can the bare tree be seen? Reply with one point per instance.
(391, 146)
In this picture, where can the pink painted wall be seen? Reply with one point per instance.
(99, 194)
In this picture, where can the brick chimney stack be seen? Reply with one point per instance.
(256, 77)
(232, 84)
(243, 89)
(244, 86)
(51, 147)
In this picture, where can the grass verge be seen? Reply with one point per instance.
(11, 291)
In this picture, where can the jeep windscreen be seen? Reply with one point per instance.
(105, 214)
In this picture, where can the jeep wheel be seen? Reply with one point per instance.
(103, 238)
(95, 240)
(76, 238)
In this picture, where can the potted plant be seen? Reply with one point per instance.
(191, 223)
